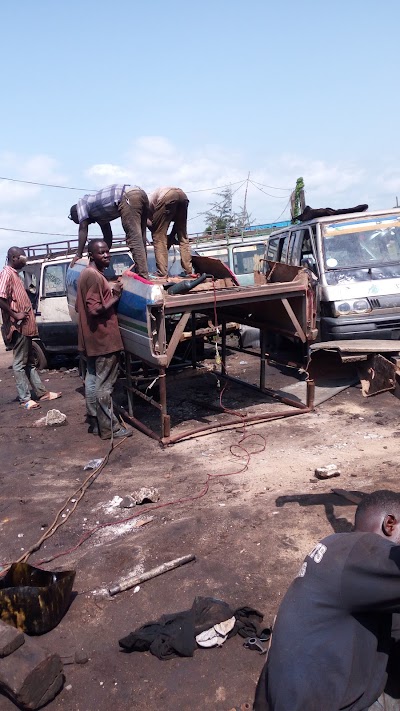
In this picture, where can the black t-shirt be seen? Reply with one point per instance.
(332, 635)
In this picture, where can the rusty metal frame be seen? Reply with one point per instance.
(165, 437)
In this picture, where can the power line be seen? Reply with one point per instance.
(94, 190)
(278, 197)
(218, 187)
(49, 234)
(283, 211)
(47, 185)
(239, 183)
(272, 187)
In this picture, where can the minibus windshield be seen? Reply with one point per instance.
(362, 243)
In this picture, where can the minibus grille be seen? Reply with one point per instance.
(375, 303)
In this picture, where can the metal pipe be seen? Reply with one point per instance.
(129, 381)
(147, 398)
(310, 394)
(193, 341)
(165, 419)
(131, 420)
(223, 345)
(263, 348)
(229, 424)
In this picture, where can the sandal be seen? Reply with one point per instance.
(30, 405)
(50, 396)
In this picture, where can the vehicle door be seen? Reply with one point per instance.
(302, 250)
(55, 326)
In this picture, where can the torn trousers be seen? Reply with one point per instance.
(172, 207)
(25, 373)
(101, 375)
(134, 209)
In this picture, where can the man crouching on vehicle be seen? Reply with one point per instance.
(100, 340)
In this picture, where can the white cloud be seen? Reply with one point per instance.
(104, 173)
(153, 161)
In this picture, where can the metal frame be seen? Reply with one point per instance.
(165, 436)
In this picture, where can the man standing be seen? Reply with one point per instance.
(169, 205)
(19, 328)
(131, 204)
(99, 338)
(334, 632)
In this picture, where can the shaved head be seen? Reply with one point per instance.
(16, 258)
(14, 252)
(94, 244)
(379, 512)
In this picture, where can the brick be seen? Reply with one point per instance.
(10, 639)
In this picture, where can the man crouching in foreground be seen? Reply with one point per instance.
(100, 340)
(333, 633)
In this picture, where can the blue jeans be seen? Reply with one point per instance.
(25, 373)
(101, 375)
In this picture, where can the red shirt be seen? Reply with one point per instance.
(97, 335)
(13, 291)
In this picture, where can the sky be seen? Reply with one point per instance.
(196, 95)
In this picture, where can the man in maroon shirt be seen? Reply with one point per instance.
(99, 338)
(19, 328)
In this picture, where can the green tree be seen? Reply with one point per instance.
(221, 218)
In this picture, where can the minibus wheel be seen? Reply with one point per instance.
(38, 356)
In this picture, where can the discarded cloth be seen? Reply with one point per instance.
(310, 213)
(175, 634)
(216, 635)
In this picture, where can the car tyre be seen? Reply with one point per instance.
(38, 356)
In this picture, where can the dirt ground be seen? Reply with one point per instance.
(249, 532)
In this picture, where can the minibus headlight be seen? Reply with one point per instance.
(361, 306)
(342, 307)
(358, 306)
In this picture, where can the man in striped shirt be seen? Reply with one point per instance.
(19, 328)
(131, 204)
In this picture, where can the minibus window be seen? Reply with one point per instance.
(174, 261)
(273, 249)
(54, 280)
(119, 263)
(247, 259)
(215, 253)
(369, 242)
(285, 249)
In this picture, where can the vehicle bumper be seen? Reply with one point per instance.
(386, 327)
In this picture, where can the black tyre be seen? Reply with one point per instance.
(38, 356)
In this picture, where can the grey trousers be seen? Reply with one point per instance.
(25, 373)
(101, 376)
(134, 208)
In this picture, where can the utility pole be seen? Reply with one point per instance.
(245, 202)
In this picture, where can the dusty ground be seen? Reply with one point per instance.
(249, 532)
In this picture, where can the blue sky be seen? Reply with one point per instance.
(196, 94)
